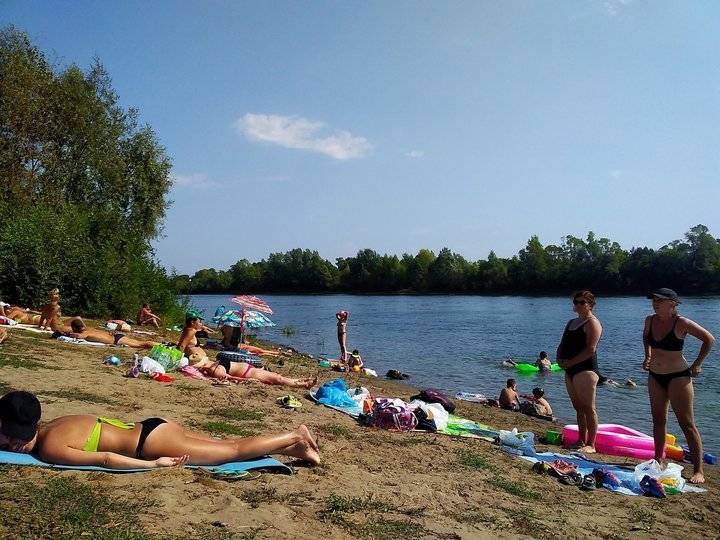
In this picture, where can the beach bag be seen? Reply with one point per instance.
(670, 476)
(392, 415)
(430, 395)
(168, 357)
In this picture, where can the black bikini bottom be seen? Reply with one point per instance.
(147, 427)
(663, 379)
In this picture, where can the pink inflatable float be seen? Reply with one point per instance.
(616, 440)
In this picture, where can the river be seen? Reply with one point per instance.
(458, 343)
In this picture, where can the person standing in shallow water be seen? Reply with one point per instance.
(670, 377)
(577, 355)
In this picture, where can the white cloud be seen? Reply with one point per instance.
(613, 7)
(415, 154)
(194, 181)
(302, 134)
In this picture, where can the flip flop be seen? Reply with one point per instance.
(289, 402)
(588, 483)
(221, 383)
(572, 479)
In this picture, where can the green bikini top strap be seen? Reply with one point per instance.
(93, 441)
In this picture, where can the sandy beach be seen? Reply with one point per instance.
(371, 483)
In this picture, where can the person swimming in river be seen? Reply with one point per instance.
(152, 443)
(342, 317)
(543, 362)
(79, 330)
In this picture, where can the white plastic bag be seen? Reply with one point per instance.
(151, 366)
(671, 476)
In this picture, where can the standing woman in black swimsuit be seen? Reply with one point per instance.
(577, 355)
(670, 378)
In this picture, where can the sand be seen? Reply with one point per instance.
(371, 483)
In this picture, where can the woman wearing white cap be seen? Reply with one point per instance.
(670, 377)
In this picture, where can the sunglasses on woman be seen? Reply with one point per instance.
(580, 302)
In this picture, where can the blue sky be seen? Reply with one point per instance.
(401, 125)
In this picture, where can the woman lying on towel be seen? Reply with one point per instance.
(79, 330)
(152, 443)
(225, 368)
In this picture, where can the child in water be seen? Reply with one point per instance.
(342, 317)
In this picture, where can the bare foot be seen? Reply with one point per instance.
(308, 383)
(587, 449)
(305, 434)
(303, 450)
(697, 478)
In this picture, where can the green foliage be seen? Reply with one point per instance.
(83, 189)
(690, 266)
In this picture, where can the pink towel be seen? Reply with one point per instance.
(193, 372)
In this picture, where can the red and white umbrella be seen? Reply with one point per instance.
(253, 303)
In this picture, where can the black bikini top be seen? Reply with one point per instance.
(670, 342)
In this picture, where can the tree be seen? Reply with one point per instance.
(83, 191)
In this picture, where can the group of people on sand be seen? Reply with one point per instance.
(151, 443)
(225, 368)
(669, 374)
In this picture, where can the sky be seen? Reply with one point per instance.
(338, 126)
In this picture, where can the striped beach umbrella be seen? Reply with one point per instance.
(252, 303)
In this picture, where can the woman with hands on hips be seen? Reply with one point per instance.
(669, 376)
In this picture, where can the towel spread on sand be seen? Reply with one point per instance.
(626, 475)
(29, 328)
(13, 458)
(76, 341)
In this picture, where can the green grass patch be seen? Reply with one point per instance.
(337, 430)
(240, 415)
(336, 508)
(78, 395)
(515, 489)
(225, 428)
(391, 528)
(339, 511)
(67, 508)
(471, 460)
(20, 362)
(263, 494)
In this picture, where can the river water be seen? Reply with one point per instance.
(458, 343)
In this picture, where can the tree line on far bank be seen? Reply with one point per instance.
(83, 189)
(691, 266)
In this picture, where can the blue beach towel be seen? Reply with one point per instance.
(626, 475)
(13, 458)
(334, 394)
